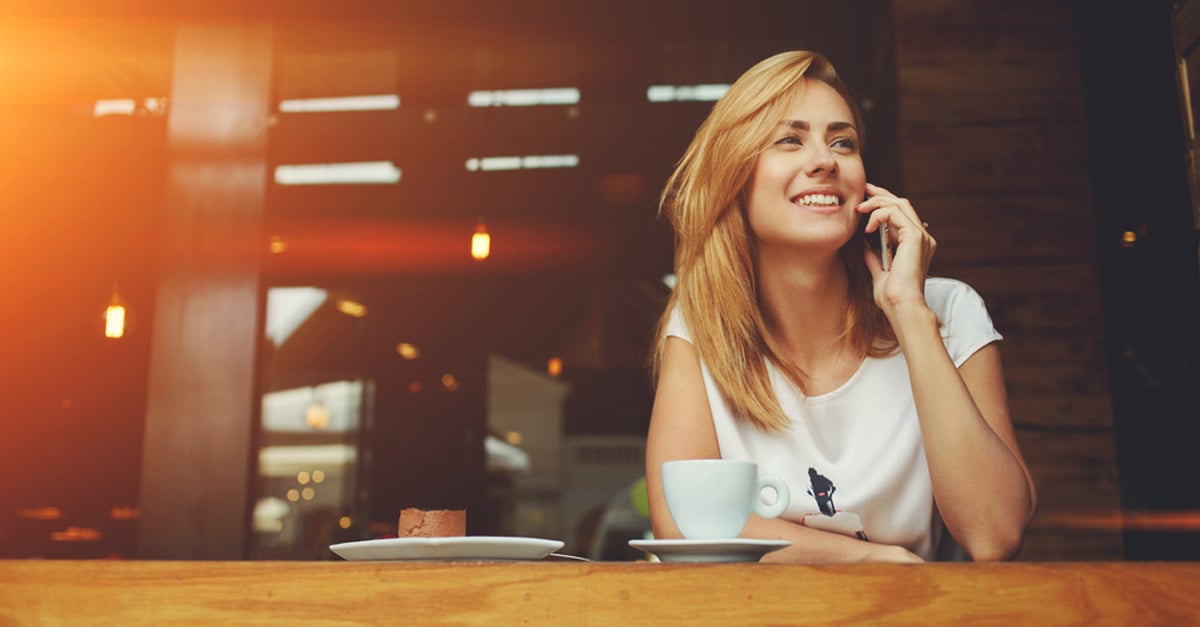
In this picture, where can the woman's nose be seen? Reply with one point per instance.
(821, 160)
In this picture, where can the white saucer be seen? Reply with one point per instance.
(461, 548)
(733, 550)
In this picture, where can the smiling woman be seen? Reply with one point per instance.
(815, 362)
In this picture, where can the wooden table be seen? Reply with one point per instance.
(370, 593)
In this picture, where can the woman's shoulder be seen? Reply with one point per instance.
(675, 325)
(945, 285)
(943, 293)
(965, 324)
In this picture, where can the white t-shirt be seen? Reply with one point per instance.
(854, 459)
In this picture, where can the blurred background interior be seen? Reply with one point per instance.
(267, 278)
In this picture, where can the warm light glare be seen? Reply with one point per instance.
(302, 477)
(524, 97)
(124, 513)
(293, 495)
(318, 476)
(76, 534)
(308, 494)
(528, 162)
(410, 351)
(449, 382)
(514, 438)
(361, 173)
(381, 102)
(1163, 521)
(481, 243)
(414, 387)
(345, 522)
(1129, 237)
(352, 308)
(554, 366)
(39, 513)
(679, 93)
(278, 245)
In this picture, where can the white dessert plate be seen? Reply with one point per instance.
(734, 550)
(463, 548)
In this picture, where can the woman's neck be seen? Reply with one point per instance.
(804, 303)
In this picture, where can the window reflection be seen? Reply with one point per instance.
(308, 469)
(442, 395)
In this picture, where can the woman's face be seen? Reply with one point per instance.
(807, 182)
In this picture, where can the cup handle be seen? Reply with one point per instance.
(782, 498)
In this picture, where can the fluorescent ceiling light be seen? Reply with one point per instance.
(524, 97)
(381, 102)
(366, 172)
(114, 107)
(123, 106)
(528, 162)
(678, 93)
(128, 106)
(549, 161)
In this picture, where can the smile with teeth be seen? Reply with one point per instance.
(818, 200)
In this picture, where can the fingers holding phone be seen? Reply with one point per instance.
(905, 248)
(895, 224)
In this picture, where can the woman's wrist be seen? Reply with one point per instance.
(910, 319)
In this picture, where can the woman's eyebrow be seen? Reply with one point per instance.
(801, 125)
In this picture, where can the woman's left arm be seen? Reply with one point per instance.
(981, 484)
(982, 487)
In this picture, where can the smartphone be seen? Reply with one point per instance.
(883, 247)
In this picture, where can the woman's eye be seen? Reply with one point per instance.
(790, 140)
(845, 143)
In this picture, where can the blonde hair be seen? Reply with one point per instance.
(714, 252)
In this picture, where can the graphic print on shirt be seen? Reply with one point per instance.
(821, 488)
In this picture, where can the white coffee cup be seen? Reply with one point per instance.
(711, 499)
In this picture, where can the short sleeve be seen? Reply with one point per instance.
(966, 325)
(677, 327)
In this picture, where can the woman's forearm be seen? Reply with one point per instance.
(981, 487)
(814, 546)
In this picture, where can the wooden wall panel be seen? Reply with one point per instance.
(1062, 411)
(983, 15)
(1053, 545)
(1041, 226)
(994, 157)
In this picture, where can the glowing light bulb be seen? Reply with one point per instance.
(351, 308)
(114, 317)
(481, 242)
